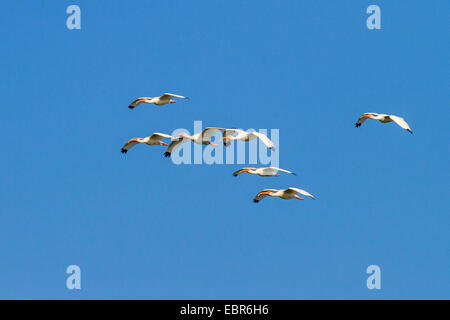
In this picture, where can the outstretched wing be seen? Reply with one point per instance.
(297, 190)
(279, 169)
(170, 95)
(159, 136)
(137, 102)
(401, 122)
(207, 133)
(130, 144)
(175, 144)
(236, 173)
(264, 139)
(262, 195)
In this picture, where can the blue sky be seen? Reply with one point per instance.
(141, 227)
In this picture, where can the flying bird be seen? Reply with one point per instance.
(154, 139)
(159, 101)
(228, 136)
(285, 194)
(263, 172)
(203, 138)
(384, 118)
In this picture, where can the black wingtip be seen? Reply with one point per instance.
(255, 201)
(410, 131)
(123, 150)
(357, 125)
(130, 107)
(294, 173)
(166, 154)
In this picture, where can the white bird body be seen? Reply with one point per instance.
(263, 172)
(159, 101)
(203, 138)
(384, 118)
(154, 139)
(245, 136)
(285, 194)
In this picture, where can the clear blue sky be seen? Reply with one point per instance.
(141, 227)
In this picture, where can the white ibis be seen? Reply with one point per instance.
(154, 139)
(203, 137)
(263, 172)
(159, 101)
(384, 118)
(285, 194)
(245, 136)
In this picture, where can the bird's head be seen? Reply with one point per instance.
(172, 101)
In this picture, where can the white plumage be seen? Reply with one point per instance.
(285, 194)
(263, 172)
(154, 139)
(159, 101)
(228, 135)
(203, 137)
(384, 118)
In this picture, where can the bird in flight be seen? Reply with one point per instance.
(285, 194)
(154, 139)
(384, 118)
(228, 136)
(203, 137)
(263, 172)
(159, 101)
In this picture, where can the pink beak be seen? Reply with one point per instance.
(225, 138)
